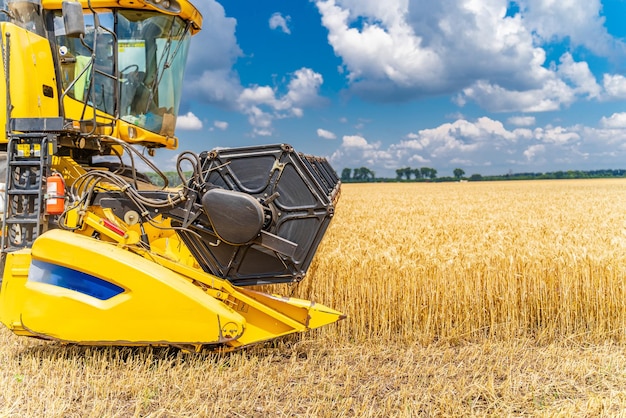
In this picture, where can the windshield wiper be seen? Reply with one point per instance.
(165, 56)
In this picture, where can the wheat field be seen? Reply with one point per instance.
(465, 261)
(463, 299)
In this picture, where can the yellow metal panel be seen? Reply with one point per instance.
(31, 73)
(267, 316)
(317, 315)
(69, 169)
(11, 296)
(157, 305)
(32, 68)
(160, 303)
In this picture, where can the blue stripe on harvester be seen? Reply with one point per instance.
(67, 278)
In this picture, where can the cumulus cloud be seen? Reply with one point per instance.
(376, 52)
(485, 144)
(532, 151)
(355, 141)
(221, 125)
(556, 135)
(614, 86)
(569, 81)
(461, 136)
(356, 151)
(189, 122)
(209, 75)
(403, 49)
(580, 22)
(615, 121)
(323, 133)
(579, 75)
(262, 104)
(277, 21)
(304, 88)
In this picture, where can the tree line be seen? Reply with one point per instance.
(364, 174)
(417, 173)
(358, 174)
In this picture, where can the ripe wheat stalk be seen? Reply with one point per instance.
(468, 261)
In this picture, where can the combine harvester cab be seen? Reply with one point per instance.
(92, 254)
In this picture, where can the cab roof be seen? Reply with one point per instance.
(183, 8)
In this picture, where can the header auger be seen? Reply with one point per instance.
(93, 252)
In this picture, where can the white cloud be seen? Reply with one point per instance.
(531, 152)
(580, 21)
(209, 75)
(189, 122)
(323, 133)
(615, 121)
(220, 87)
(257, 95)
(556, 135)
(551, 96)
(355, 141)
(614, 86)
(356, 151)
(215, 46)
(221, 125)
(277, 21)
(579, 75)
(402, 49)
(569, 81)
(377, 52)
(304, 88)
(485, 144)
(521, 120)
(416, 158)
(262, 105)
(461, 136)
(261, 121)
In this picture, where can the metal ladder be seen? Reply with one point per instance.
(28, 159)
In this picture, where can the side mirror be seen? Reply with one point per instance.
(73, 19)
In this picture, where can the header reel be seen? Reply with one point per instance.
(265, 211)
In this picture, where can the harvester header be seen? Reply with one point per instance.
(95, 252)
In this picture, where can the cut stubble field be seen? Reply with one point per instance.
(485, 299)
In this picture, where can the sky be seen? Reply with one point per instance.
(488, 86)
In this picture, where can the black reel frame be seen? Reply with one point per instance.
(256, 217)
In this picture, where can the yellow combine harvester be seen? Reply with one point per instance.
(92, 252)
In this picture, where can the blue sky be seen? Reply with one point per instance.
(489, 86)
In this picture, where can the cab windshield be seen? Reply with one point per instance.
(138, 68)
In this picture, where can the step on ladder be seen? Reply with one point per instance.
(28, 162)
